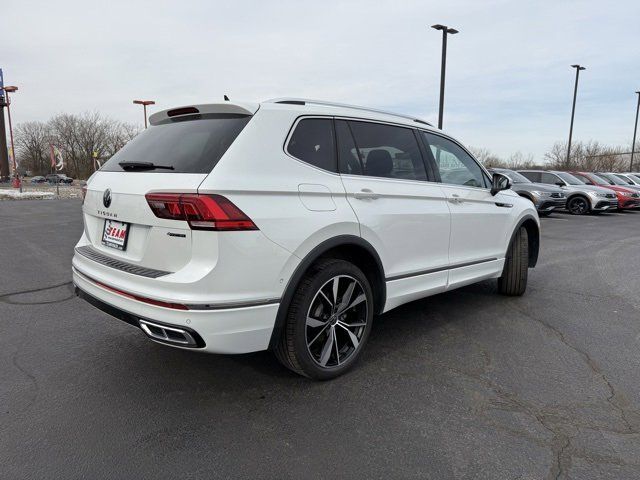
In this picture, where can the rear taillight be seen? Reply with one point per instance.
(202, 212)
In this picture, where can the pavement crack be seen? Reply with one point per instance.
(7, 297)
(612, 398)
(562, 462)
(34, 290)
(560, 442)
(570, 292)
(32, 378)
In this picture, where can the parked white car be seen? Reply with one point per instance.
(286, 225)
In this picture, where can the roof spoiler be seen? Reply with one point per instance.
(226, 107)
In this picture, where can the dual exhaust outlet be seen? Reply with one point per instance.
(165, 334)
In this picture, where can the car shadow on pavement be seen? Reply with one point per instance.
(168, 369)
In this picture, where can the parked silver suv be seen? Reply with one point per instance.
(546, 198)
(581, 198)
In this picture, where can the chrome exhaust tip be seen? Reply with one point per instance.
(165, 334)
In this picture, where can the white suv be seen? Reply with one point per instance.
(287, 225)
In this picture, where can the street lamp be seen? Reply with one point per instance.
(144, 104)
(8, 90)
(445, 31)
(635, 129)
(573, 110)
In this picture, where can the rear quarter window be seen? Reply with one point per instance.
(532, 176)
(312, 141)
(192, 144)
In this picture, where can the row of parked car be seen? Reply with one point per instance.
(578, 192)
(53, 179)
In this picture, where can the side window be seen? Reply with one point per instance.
(532, 176)
(388, 151)
(549, 178)
(456, 166)
(627, 179)
(584, 178)
(348, 161)
(312, 142)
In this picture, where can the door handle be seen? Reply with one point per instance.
(366, 194)
(455, 198)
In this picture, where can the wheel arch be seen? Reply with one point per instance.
(581, 195)
(533, 236)
(526, 195)
(347, 247)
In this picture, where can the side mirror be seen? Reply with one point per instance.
(560, 184)
(499, 182)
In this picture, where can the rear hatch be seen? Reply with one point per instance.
(173, 156)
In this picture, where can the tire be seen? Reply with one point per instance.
(578, 205)
(319, 341)
(513, 281)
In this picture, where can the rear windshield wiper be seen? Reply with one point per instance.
(144, 166)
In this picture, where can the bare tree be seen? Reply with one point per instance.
(519, 160)
(63, 129)
(118, 135)
(590, 157)
(80, 138)
(32, 146)
(556, 157)
(486, 157)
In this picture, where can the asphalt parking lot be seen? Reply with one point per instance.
(467, 384)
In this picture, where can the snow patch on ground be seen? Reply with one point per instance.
(15, 194)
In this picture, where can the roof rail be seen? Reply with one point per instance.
(305, 101)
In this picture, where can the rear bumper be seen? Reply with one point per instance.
(223, 330)
(197, 341)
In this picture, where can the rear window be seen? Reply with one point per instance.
(191, 144)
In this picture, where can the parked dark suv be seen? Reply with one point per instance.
(59, 178)
(546, 198)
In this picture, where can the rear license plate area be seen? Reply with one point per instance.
(115, 234)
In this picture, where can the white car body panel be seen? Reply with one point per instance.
(427, 239)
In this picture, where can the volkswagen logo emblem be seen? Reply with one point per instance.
(106, 198)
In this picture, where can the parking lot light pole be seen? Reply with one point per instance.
(4, 158)
(144, 104)
(635, 130)
(573, 110)
(445, 31)
(8, 90)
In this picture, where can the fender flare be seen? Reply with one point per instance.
(533, 254)
(527, 196)
(307, 261)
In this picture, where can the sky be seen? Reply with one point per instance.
(509, 82)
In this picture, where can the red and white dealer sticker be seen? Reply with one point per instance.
(115, 234)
